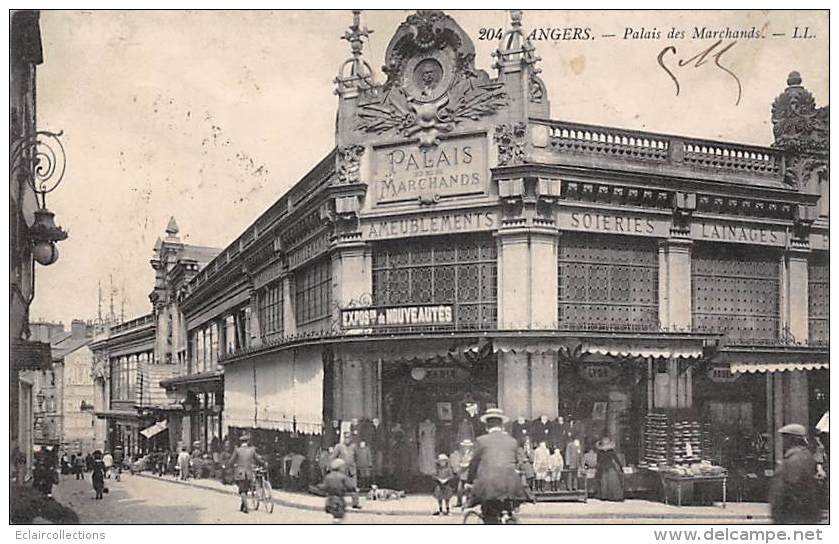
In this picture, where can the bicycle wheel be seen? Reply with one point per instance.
(266, 496)
(472, 517)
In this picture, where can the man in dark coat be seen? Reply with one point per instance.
(793, 495)
(347, 452)
(493, 469)
(244, 461)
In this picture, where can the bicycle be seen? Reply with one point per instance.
(260, 491)
(492, 513)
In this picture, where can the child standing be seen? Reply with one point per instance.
(541, 460)
(444, 478)
(555, 465)
(573, 458)
(336, 484)
(364, 460)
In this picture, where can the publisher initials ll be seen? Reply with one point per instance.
(802, 34)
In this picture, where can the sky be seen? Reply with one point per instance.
(210, 116)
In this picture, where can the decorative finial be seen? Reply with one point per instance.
(794, 79)
(355, 73)
(515, 50)
(515, 18)
(172, 227)
(356, 34)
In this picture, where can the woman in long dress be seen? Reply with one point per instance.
(98, 474)
(609, 471)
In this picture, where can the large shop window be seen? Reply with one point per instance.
(818, 287)
(271, 308)
(124, 374)
(607, 282)
(735, 291)
(458, 271)
(313, 292)
(206, 348)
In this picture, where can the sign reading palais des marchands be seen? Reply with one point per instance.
(455, 167)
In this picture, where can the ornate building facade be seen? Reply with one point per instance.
(459, 247)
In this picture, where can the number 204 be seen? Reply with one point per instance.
(490, 34)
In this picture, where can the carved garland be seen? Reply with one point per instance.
(510, 139)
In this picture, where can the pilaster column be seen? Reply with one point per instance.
(527, 280)
(528, 384)
(794, 294)
(255, 326)
(352, 275)
(674, 287)
(289, 319)
(356, 388)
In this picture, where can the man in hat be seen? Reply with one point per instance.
(792, 497)
(497, 487)
(346, 451)
(244, 460)
(459, 461)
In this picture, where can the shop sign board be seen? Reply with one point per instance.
(722, 374)
(613, 222)
(399, 316)
(719, 231)
(443, 374)
(431, 224)
(454, 167)
(599, 373)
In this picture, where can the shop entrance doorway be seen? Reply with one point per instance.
(427, 410)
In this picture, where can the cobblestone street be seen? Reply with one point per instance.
(141, 499)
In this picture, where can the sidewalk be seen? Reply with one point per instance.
(422, 505)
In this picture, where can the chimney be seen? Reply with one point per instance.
(78, 328)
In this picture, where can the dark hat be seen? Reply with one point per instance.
(245, 437)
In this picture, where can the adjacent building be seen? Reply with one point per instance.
(459, 247)
(32, 230)
(63, 393)
(132, 358)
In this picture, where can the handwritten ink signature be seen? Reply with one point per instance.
(700, 59)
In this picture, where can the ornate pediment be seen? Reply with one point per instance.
(432, 84)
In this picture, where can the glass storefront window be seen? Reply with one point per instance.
(736, 290)
(607, 282)
(313, 292)
(457, 271)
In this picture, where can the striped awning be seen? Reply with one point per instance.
(753, 368)
(629, 347)
(155, 429)
(684, 352)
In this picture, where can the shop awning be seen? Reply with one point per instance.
(155, 429)
(208, 381)
(753, 368)
(412, 351)
(116, 414)
(666, 348)
(641, 350)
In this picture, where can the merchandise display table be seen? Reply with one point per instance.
(678, 485)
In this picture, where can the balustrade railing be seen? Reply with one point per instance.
(138, 322)
(663, 149)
